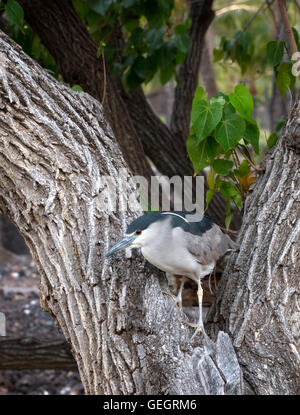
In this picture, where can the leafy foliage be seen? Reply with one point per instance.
(22, 33)
(224, 137)
(152, 43)
(15, 13)
(283, 72)
(221, 130)
(239, 49)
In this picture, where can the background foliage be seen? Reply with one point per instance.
(229, 132)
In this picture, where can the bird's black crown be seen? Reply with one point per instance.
(196, 228)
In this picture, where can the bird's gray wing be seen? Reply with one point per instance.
(208, 246)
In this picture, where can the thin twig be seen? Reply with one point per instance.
(297, 4)
(247, 25)
(250, 161)
(266, 2)
(236, 159)
(288, 28)
(104, 78)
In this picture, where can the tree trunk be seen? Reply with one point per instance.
(258, 298)
(28, 353)
(64, 35)
(207, 69)
(55, 148)
(75, 54)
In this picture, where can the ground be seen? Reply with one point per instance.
(19, 301)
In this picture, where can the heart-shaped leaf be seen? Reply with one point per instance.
(242, 101)
(229, 131)
(205, 117)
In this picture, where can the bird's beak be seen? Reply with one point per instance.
(126, 241)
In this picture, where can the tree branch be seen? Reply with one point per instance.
(75, 54)
(201, 15)
(60, 29)
(55, 148)
(288, 29)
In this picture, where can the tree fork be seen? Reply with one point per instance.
(55, 146)
(64, 35)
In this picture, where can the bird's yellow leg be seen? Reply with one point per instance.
(199, 326)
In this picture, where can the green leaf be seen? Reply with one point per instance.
(252, 136)
(242, 101)
(229, 191)
(137, 38)
(205, 117)
(197, 153)
(100, 6)
(131, 24)
(15, 13)
(229, 131)
(209, 195)
(154, 38)
(211, 147)
(218, 54)
(222, 166)
(228, 219)
(180, 29)
(210, 178)
(128, 3)
(166, 55)
(272, 140)
(143, 68)
(279, 126)
(166, 74)
(243, 50)
(229, 109)
(77, 88)
(199, 94)
(219, 99)
(275, 52)
(81, 8)
(226, 98)
(132, 80)
(243, 169)
(284, 78)
(296, 35)
(182, 42)
(99, 51)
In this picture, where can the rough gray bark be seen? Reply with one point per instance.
(75, 54)
(55, 147)
(130, 115)
(29, 353)
(258, 298)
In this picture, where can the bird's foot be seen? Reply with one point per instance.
(191, 324)
(199, 328)
(207, 342)
(177, 300)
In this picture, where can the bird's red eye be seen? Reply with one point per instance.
(138, 232)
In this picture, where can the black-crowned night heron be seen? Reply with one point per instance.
(178, 246)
